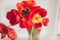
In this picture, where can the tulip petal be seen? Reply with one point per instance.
(45, 21)
(19, 6)
(13, 17)
(3, 30)
(28, 24)
(3, 35)
(12, 34)
(38, 25)
(43, 12)
(22, 25)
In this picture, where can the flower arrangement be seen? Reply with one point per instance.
(29, 16)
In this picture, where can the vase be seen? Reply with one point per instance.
(34, 34)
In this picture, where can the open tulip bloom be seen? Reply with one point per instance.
(28, 15)
(5, 30)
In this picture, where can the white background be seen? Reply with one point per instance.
(50, 5)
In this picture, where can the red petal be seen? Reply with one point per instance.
(3, 35)
(10, 15)
(45, 21)
(22, 25)
(13, 22)
(17, 18)
(38, 25)
(28, 24)
(31, 3)
(11, 33)
(15, 12)
(43, 12)
(13, 16)
(22, 21)
(25, 4)
(3, 30)
(34, 10)
(19, 6)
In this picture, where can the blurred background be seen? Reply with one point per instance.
(53, 8)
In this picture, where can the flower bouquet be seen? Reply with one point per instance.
(29, 16)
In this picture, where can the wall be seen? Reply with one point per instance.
(58, 28)
(49, 5)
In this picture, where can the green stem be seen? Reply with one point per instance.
(31, 34)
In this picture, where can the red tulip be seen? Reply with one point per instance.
(28, 15)
(37, 15)
(5, 30)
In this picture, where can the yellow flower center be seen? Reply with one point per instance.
(37, 18)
